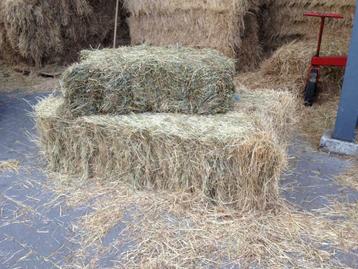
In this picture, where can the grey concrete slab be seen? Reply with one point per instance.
(310, 182)
(332, 145)
(27, 223)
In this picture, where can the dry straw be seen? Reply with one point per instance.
(182, 230)
(234, 159)
(292, 60)
(230, 26)
(287, 67)
(9, 165)
(149, 79)
(289, 63)
(349, 177)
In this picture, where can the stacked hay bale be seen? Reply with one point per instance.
(234, 157)
(230, 26)
(45, 31)
(149, 79)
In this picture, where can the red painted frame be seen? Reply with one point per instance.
(338, 61)
(326, 15)
(317, 61)
(323, 17)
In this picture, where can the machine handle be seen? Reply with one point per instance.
(323, 15)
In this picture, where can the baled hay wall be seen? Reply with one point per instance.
(233, 159)
(41, 31)
(230, 26)
(286, 20)
(3, 42)
(138, 7)
(149, 79)
(6, 52)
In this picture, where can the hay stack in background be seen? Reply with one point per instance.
(289, 63)
(287, 69)
(230, 26)
(235, 159)
(291, 40)
(5, 49)
(47, 31)
(285, 22)
(155, 79)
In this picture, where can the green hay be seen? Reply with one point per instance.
(149, 79)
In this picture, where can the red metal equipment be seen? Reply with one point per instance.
(318, 61)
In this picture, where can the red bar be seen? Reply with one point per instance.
(324, 15)
(340, 61)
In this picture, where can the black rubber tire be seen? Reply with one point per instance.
(311, 88)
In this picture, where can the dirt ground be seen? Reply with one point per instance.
(22, 77)
(95, 225)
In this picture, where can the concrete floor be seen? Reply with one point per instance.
(36, 235)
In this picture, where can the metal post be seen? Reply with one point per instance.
(115, 25)
(346, 123)
(320, 36)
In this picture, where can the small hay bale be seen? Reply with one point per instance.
(234, 159)
(230, 26)
(149, 79)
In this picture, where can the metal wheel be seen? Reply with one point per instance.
(311, 88)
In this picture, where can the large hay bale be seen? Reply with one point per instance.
(235, 158)
(43, 31)
(230, 26)
(155, 79)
